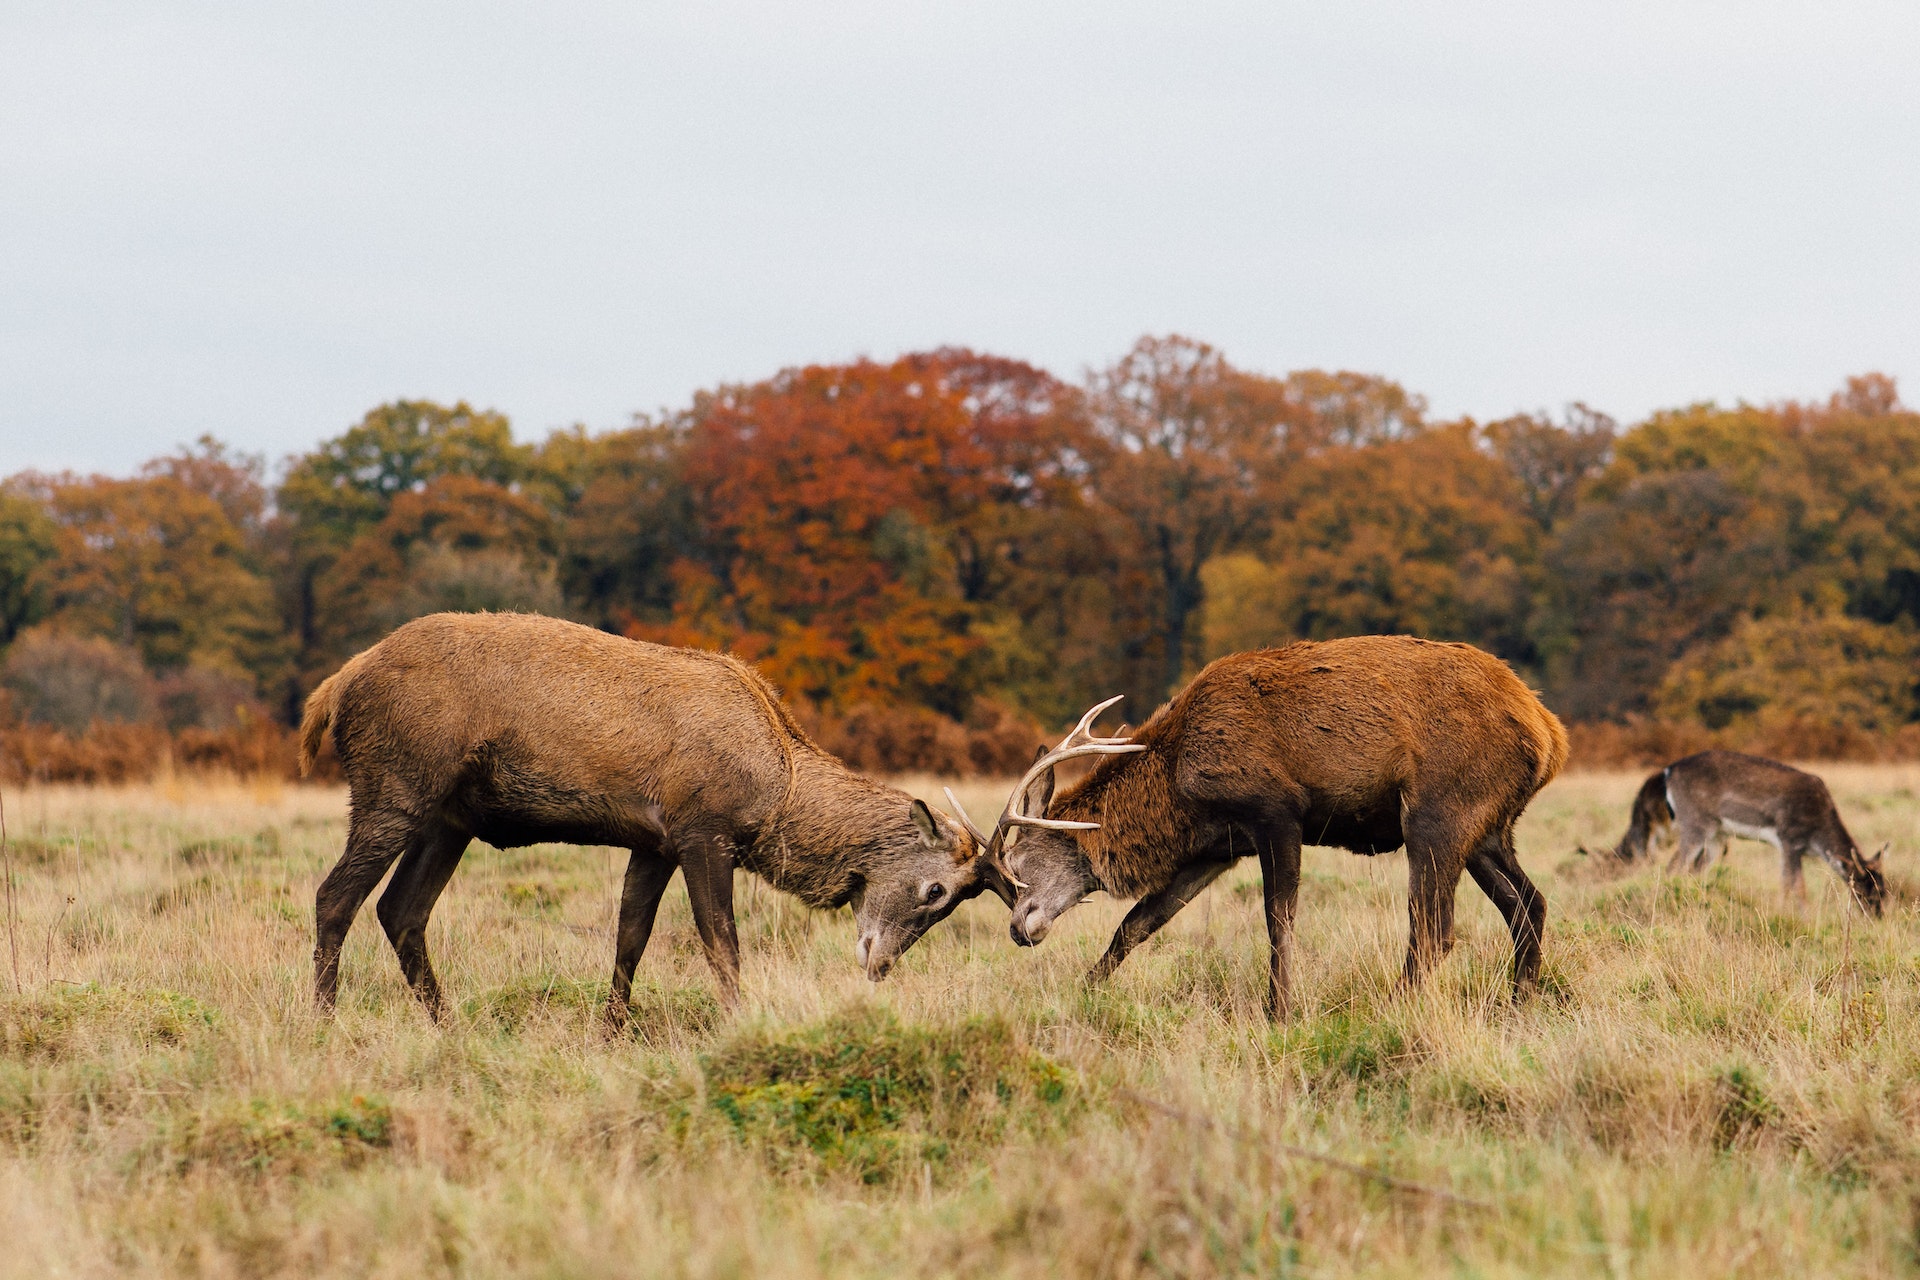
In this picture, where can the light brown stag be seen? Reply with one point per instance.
(1364, 743)
(1716, 794)
(518, 729)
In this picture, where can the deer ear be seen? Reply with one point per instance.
(1039, 791)
(1879, 856)
(924, 823)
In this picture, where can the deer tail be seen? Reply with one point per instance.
(318, 717)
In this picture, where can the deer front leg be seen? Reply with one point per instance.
(1793, 880)
(707, 864)
(646, 880)
(1152, 912)
(1280, 879)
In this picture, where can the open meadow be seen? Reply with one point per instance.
(1712, 1081)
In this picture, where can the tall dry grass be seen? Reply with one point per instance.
(1711, 1082)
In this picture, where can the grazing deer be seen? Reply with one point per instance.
(518, 729)
(1364, 743)
(1717, 794)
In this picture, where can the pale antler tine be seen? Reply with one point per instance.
(1080, 742)
(960, 812)
(1052, 824)
(1096, 748)
(1026, 780)
(1056, 756)
(1085, 728)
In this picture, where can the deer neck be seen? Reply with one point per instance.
(1144, 833)
(827, 832)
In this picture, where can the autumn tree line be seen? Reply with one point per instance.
(937, 557)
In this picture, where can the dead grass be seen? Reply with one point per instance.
(1712, 1082)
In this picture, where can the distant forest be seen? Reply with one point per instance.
(968, 540)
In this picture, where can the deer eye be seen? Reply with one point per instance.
(933, 893)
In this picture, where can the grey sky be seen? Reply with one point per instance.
(261, 220)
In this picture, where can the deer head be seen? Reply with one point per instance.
(1034, 862)
(1868, 880)
(925, 875)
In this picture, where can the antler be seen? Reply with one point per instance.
(960, 812)
(1081, 742)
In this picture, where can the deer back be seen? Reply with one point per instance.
(557, 710)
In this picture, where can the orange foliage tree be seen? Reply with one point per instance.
(966, 535)
(854, 521)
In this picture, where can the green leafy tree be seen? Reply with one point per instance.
(1708, 516)
(340, 491)
(350, 482)
(1663, 562)
(628, 519)
(1859, 519)
(28, 541)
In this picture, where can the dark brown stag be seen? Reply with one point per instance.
(517, 729)
(1365, 743)
(1716, 794)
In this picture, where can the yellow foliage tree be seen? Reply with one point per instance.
(1827, 670)
(1424, 535)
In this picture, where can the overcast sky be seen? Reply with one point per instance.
(260, 220)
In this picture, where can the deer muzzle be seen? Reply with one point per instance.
(872, 956)
(1029, 927)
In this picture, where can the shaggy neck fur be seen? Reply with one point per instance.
(834, 826)
(1145, 836)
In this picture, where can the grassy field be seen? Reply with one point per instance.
(1712, 1081)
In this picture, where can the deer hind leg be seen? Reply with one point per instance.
(1690, 845)
(1152, 912)
(1496, 869)
(404, 908)
(707, 864)
(1280, 882)
(375, 838)
(648, 871)
(1436, 854)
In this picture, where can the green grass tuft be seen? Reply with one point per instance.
(863, 1093)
